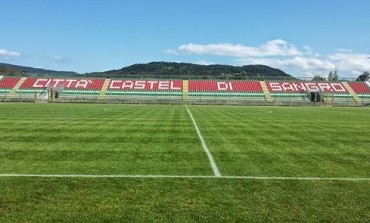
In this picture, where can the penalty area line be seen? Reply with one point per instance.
(185, 177)
(215, 169)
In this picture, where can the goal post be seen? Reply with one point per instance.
(315, 96)
(49, 94)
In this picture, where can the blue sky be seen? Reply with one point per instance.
(301, 37)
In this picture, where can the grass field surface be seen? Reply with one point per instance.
(137, 141)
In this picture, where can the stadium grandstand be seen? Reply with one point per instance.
(238, 92)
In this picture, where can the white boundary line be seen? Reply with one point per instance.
(186, 177)
(215, 169)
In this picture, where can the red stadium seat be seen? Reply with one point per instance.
(224, 86)
(360, 87)
(8, 82)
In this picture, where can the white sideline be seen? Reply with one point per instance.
(215, 169)
(186, 177)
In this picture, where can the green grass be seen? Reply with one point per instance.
(293, 141)
(99, 139)
(181, 200)
(161, 140)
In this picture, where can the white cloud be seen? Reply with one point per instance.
(354, 62)
(347, 64)
(296, 66)
(283, 55)
(9, 54)
(279, 47)
(60, 59)
(204, 62)
(276, 47)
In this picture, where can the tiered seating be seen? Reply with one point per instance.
(296, 87)
(360, 87)
(208, 89)
(124, 88)
(7, 83)
(362, 90)
(70, 87)
(204, 90)
(297, 91)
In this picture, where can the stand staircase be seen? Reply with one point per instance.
(266, 91)
(16, 87)
(104, 89)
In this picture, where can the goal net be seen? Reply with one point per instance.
(49, 94)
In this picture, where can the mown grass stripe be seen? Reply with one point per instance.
(215, 169)
(188, 176)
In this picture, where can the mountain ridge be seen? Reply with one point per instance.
(156, 69)
(189, 69)
(27, 71)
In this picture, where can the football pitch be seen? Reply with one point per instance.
(160, 163)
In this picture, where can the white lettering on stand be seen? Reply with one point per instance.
(224, 86)
(306, 86)
(68, 83)
(144, 85)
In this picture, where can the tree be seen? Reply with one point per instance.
(9, 71)
(333, 76)
(364, 77)
(318, 78)
(330, 76)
